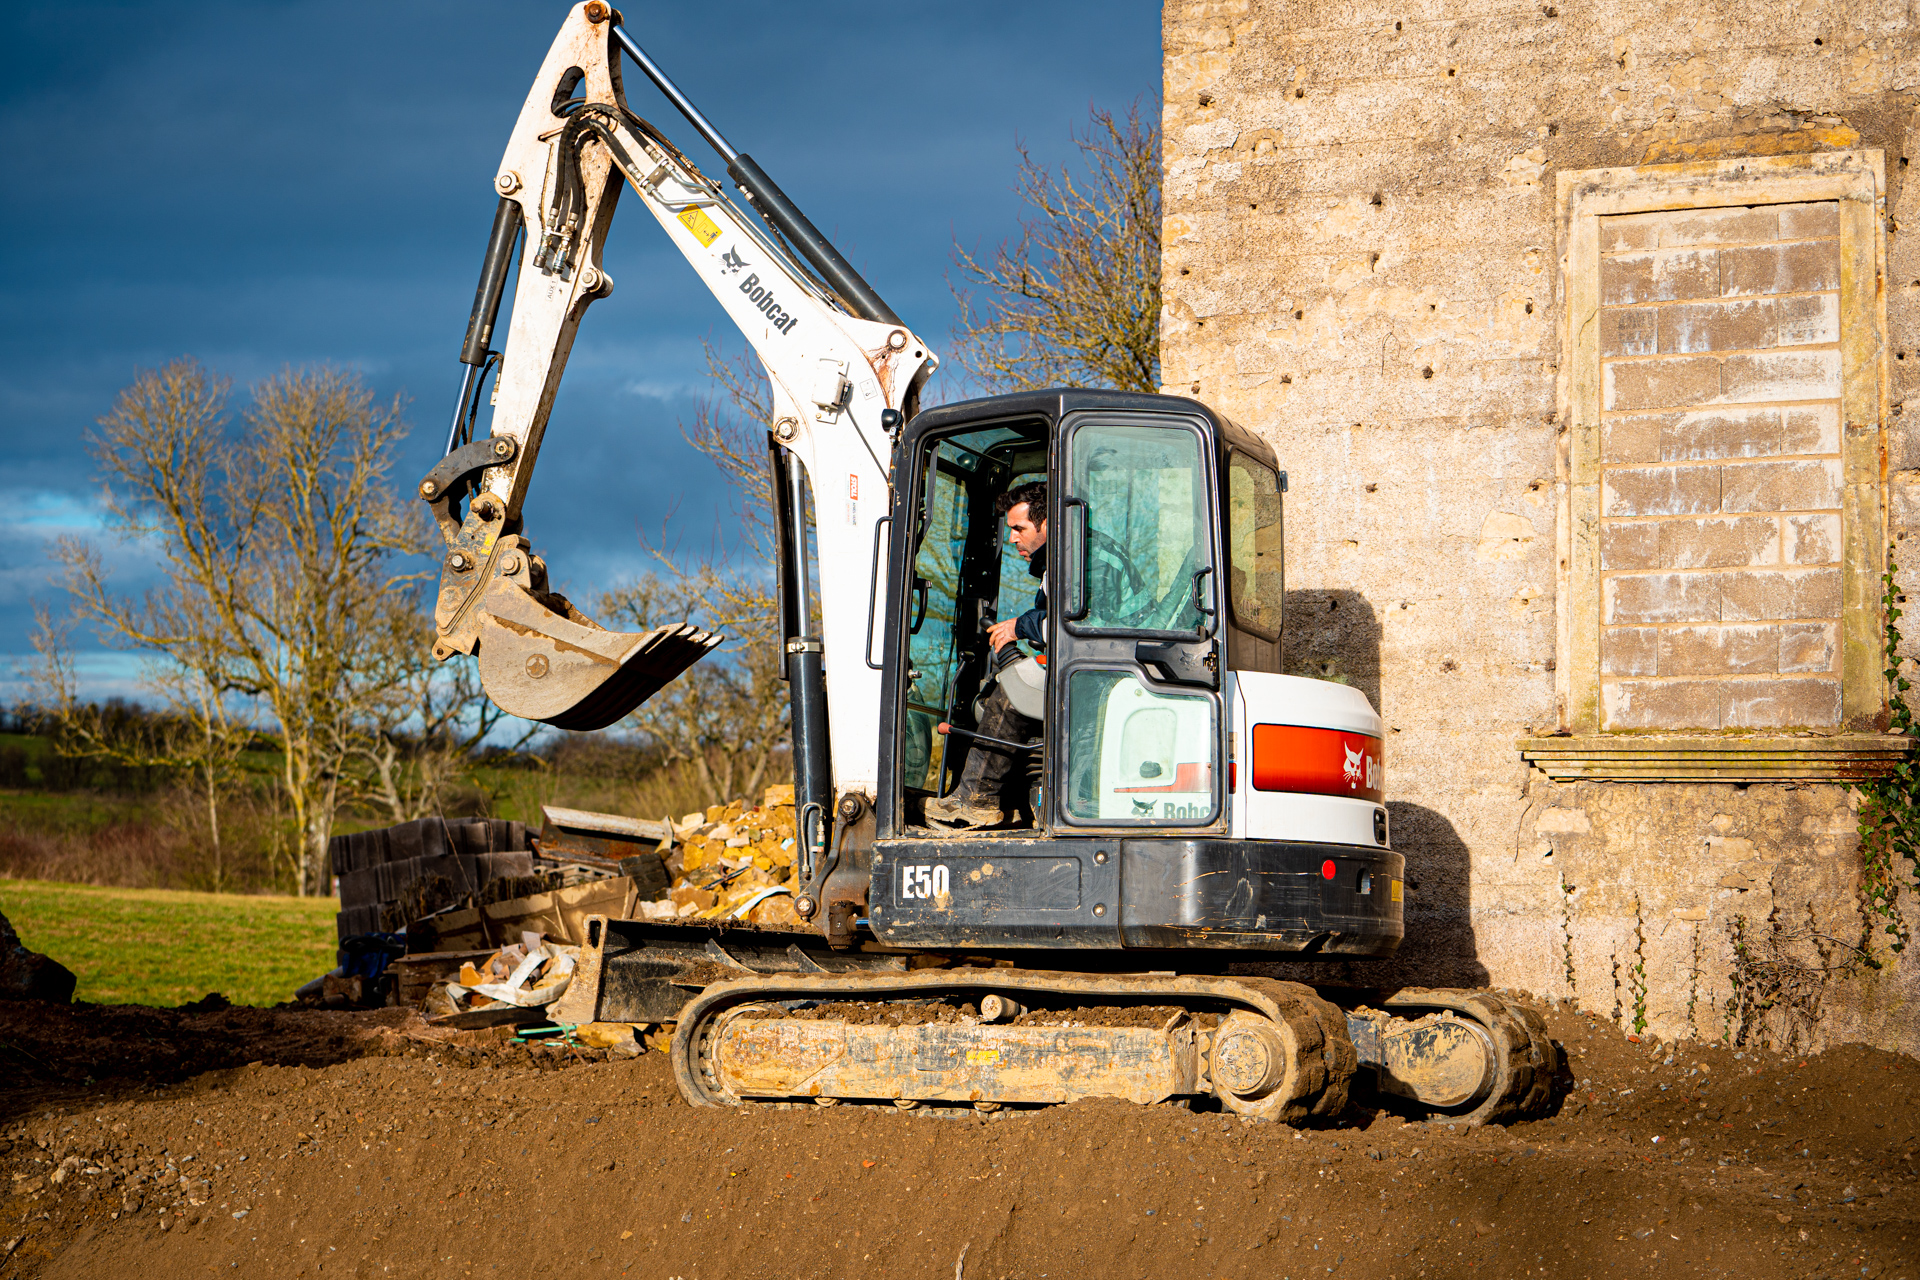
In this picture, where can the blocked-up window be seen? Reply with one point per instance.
(1720, 468)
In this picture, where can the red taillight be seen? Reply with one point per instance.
(1327, 870)
(1328, 762)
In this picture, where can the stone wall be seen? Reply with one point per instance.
(1362, 262)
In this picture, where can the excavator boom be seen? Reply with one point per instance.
(838, 359)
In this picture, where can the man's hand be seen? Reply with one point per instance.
(1000, 635)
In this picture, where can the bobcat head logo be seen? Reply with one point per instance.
(732, 261)
(1143, 808)
(1354, 770)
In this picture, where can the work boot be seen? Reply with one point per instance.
(954, 813)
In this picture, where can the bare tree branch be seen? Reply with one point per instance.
(1075, 300)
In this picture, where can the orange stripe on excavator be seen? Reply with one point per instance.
(1327, 762)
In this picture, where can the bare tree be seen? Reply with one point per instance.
(278, 547)
(1075, 299)
(425, 720)
(726, 720)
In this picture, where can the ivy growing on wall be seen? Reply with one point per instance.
(1890, 804)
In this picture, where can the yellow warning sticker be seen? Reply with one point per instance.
(701, 225)
(1396, 891)
(983, 1057)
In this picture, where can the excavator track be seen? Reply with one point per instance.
(992, 1037)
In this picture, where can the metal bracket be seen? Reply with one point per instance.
(449, 481)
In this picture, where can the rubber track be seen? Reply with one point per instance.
(1323, 1058)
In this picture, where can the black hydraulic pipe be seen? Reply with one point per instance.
(486, 310)
(806, 677)
(769, 198)
(467, 375)
(493, 282)
(802, 235)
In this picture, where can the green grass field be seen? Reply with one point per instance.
(166, 947)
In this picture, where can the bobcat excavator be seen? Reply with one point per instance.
(1192, 811)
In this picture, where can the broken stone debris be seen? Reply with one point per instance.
(450, 904)
(734, 862)
(528, 974)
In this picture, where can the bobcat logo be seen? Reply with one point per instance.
(732, 261)
(1355, 769)
(1143, 808)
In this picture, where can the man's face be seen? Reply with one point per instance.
(1026, 536)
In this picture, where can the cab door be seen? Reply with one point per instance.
(1136, 734)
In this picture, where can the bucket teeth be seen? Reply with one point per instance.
(566, 671)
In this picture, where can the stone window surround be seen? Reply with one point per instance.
(1857, 180)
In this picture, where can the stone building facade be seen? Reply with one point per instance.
(1583, 335)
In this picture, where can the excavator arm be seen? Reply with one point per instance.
(841, 365)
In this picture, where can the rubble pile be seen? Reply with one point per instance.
(430, 909)
(733, 862)
(527, 974)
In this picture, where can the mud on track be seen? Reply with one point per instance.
(279, 1143)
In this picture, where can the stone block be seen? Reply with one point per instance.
(1662, 704)
(1813, 428)
(1809, 646)
(1718, 544)
(1806, 320)
(1660, 597)
(1634, 545)
(1627, 232)
(1661, 384)
(1744, 325)
(1660, 491)
(1720, 433)
(1812, 485)
(1800, 702)
(1761, 595)
(1626, 280)
(1719, 651)
(1812, 539)
(1681, 228)
(1808, 221)
(1805, 267)
(1635, 438)
(1629, 331)
(1780, 375)
(1629, 651)
(1659, 277)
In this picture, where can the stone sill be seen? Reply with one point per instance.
(1676, 757)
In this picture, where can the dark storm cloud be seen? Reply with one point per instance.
(263, 185)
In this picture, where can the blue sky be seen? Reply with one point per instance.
(303, 183)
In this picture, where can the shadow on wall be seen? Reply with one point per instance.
(1439, 949)
(1333, 635)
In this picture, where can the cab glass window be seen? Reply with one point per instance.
(1138, 755)
(1255, 556)
(1139, 529)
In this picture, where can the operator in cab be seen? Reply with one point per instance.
(993, 781)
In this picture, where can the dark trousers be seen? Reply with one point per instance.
(991, 772)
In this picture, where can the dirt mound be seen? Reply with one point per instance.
(289, 1143)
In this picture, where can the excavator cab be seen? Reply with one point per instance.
(1133, 654)
(1165, 587)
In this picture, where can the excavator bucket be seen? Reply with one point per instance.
(566, 670)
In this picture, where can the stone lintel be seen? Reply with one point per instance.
(1705, 757)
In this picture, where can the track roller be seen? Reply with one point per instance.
(1467, 1056)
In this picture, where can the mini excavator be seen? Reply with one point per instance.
(1191, 811)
